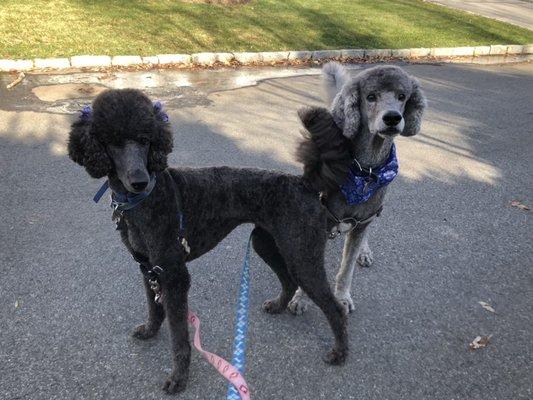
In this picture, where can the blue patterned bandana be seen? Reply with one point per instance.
(361, 185)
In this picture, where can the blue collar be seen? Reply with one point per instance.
(125, 201)
(362, 183)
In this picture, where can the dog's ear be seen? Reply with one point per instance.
(161, 147)
(346, 110)
(414, 109)
(84, 149)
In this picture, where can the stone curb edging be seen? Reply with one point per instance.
(268, 57)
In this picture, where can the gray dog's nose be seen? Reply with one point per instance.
(138, 186)
(392, 118)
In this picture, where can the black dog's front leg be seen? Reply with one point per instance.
(156, 315)
(175, 282)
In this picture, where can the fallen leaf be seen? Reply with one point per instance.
(517, 204)
(479, 342)
(19, 79)
(487, 306)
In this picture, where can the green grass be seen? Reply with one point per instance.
(55, 28)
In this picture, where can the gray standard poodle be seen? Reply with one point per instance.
(350, 156)
(168, 216)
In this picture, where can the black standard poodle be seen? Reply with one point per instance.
(168, 216)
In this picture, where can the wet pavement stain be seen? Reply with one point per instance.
(67, 93)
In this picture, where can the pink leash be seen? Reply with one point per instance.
(223, 367)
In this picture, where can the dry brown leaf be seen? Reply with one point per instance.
(517, 204)
(19, 79)
(479, 342)
(487, 306)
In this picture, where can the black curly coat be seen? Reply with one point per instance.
(290, 225)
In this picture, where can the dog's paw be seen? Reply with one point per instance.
(274, 306)
(365, 258)
(175, 383)
(298, 305)
(335, 357)
(346, 302)
(144, 331)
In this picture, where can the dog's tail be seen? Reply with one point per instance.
(334, 76)
(324, 151)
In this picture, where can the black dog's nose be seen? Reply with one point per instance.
(138, 186)
(392, 118)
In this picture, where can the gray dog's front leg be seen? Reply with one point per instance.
(299, 303)
(365, 257)
(353, 244)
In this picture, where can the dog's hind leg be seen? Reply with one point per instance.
(156, 315)
(266, 248)
(353, 244)
(316, 286)
(306, 265)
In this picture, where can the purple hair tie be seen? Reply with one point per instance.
(86, 113)
(158, 108)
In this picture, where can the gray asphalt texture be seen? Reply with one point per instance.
(448, 238)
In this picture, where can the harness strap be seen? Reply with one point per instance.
(350, 220)
(101, 191)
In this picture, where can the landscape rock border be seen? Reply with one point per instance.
(261, 58)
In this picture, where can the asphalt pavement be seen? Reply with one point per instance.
(448, 238)
(516, 12)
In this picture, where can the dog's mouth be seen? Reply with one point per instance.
(389, 132)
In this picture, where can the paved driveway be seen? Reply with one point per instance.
(448, 238)
(516, 12)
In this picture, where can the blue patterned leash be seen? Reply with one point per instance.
(241, 322)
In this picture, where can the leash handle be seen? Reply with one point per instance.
(223, 367)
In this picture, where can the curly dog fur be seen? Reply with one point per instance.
(126, 140)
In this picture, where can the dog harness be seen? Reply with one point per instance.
(121, 202)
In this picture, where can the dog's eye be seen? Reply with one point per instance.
(144, 141)
(401, 97)
(371, 97)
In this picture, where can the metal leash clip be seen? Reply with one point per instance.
(186, 246)
(154, 283)
(156, 288)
